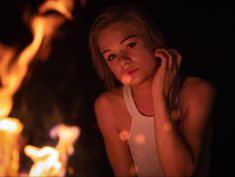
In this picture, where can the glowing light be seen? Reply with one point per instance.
(12, 73)
(10, 129)
(67, 136)
(64, 7)
(46, 161)
(124, 135)
(126, 79)
(6, 104)
(167, 126)
(11, 125)
(140, 139)
(49, 161)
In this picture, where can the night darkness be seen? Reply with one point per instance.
(64, 87)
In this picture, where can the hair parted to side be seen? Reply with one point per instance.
(127, 13)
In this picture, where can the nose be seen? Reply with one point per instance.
(124, 58)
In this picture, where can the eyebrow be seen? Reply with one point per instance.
(122, 41)
(128, 37)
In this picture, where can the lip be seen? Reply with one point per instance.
(131, 71)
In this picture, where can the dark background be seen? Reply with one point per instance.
(64, 87)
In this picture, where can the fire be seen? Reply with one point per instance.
(11, 125)
(49, 161)
(62, 6)
(14, 67)
(67, 136)
(43, 29)
(46, 161)
(10, 129)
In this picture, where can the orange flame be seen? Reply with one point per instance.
(10, 129)
(46, 161)
(43, 28)
(13, 73)
(11, 125)
(64, 7)
(50, 161)
(67, 136)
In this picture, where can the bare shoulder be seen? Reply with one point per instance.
(107, 105)
(108, 99)
(195, 87)
(197, 95)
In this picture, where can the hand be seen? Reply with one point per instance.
(165, 77)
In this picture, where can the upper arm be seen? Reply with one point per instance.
(117, 150)
(197, 118)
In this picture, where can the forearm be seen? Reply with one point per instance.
(175, 155)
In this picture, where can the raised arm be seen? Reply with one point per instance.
(180, 143)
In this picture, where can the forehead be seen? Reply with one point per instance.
(115, 32)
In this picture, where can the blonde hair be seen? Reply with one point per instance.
(110, 15)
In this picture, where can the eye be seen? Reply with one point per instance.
(131, 44)
(111, 57)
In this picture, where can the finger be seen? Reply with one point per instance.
(178, 58)
(172, 62)
(170, 58)
(163, 57)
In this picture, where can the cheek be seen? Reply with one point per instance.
(149, 60)
(150, 65)
(114, 69)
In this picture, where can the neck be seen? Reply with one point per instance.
(142, 95)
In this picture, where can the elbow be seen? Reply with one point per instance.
(190, 170)
(183, 171)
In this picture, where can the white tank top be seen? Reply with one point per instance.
(142, 143)
(142, 140)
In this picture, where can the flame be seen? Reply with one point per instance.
(6, 53)
(67, 136)
(64, 7)
(11, 125)
(49, 161)
(10, 129)
(46, 161)
(43, 29)
(12, 73)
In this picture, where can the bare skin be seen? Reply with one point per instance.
(179, 144)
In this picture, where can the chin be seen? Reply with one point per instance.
(134, 82)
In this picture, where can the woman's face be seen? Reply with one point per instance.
(126, 53)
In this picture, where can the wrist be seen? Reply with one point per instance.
(160, 102)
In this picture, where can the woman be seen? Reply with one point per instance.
(153, 121)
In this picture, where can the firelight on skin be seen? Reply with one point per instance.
(166, 116)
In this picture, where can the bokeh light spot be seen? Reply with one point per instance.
(126, 79)
(124, 135)
(167, 126)
(140, 139)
